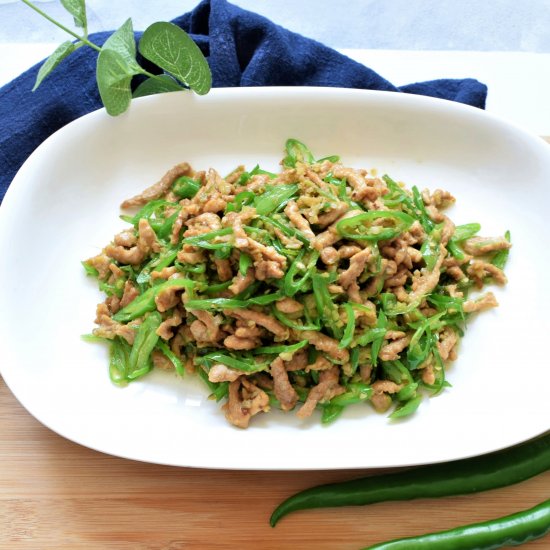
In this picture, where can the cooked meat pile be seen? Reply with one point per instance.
(315, 288)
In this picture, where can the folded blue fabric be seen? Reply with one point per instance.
(243, 49)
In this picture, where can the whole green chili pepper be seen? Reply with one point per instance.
(511, 530)
(458, 477)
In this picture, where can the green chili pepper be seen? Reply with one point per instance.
(354, 360)
(381, 324)
(350, 326)
(245, 261)
(146, 301)
(288, 231)
(501, 257)
(174, 359)
(185, 187)
(425, 220)
(219, 390)
(233, 362)
(90, 270)
(512, 530)
(276, 350)
(220, 287)
(461, 233)
(147, 211)
(355, 393)
(164, 259)
(308, 325)
(232, 303)
(291, 285)
(139, 362)
(297, 152)
(459, 477)
(241, 199)
(331, 412)
(203, 241)
(361, 227)
(326, 307)
(407, 408)
(119, 354)
(272, 197)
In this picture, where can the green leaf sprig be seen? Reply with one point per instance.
(164, 44)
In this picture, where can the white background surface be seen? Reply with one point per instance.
(503, 43)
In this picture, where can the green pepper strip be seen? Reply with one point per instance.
(331, 412)
(461, 233)
(280, 349)
(119, 353)
(90, 270)
(203, 241)
(355, 393)
(292, 324)
(234, 363)
(326, 308)
(241, 199)
(511, 530)
(164, 259)
(425, 220)
(245, 261)
(232, 303)
(219, 389)
(213, 289)
(146, 302)
(501, 257)
(174, 359)
(360, 227)
(407, 408)
(458, 477)
(350, 326)
(290, 285)
(147, 211)
(185, 187)
(288, 231)
(146, 339)
(297, 152)
(272, 197)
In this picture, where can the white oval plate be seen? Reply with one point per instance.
(63, 206)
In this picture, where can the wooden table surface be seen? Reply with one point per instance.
(55, 494)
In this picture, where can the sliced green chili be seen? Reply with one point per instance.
(233, 362)
(276, 350)
(174, 359)
(185, 187)
(362, 227)
(146, 301)
(245, 261)
(296, 151)
(272, 197)
(350, 326)
(139, 362)
(232, 303)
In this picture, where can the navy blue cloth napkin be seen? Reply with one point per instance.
(243, 49)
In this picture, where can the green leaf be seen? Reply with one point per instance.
(77, 8)
(113, 81)
(158, 85)
(122, 42)
(173, 50)
(61, 52)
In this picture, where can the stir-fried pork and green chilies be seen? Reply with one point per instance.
(315, 288)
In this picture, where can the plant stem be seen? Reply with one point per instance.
(58, 24)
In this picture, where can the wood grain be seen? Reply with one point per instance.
(55, 494)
